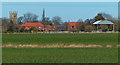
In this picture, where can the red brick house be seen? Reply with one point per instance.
(73, 25)
(48, 28)
(42, 27)
(27, 26)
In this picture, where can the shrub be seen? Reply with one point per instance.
(33, 29)
(89, 28)
(22, 30)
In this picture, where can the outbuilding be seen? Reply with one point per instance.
(103, 22)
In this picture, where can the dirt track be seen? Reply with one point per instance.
(55, 46)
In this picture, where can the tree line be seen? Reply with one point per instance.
(32, 18)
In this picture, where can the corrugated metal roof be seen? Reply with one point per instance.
(103, 22)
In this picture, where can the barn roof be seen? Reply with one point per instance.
(103, 22)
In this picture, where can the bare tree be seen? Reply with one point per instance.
(56, 20)
(89, 21)
(80, 20)
(29, 17)
(5, 22)
(107, 16)
(47, 21)
(79, 27)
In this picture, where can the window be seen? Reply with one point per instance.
(14, 16)
(72, 26)
(39, 27)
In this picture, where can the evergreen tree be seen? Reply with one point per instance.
(99, 17)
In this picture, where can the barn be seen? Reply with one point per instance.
(73, 25)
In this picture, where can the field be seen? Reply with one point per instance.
(61, 55)
(98, 38)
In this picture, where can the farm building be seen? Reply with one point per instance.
(41, 27)
(73, 25)
(27, 26)
(104, 22)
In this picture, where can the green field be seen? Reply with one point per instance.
(98, 38)
(60, 55)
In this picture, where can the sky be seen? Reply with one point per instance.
(60, 0)
(68, 11)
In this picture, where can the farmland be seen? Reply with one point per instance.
(98, 38)
(60, 55)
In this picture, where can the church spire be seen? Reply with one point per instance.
(43, 16)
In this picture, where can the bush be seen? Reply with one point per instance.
(26, 30)
(22, 30)
(33, 29)
(89, 28)
(10, 28)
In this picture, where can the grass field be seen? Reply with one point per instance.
(60, 55)
(98, 38)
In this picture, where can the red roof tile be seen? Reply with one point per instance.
(33, 25)
(74, 23)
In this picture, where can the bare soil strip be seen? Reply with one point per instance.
(55, 46)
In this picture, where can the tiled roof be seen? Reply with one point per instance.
(74, 23)
(47, 26)
(58, 25)
(33, 25)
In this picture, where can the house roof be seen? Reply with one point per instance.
(26, 25)
(103, 22)
(33, 25)
(74, 23)
(47, 26)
